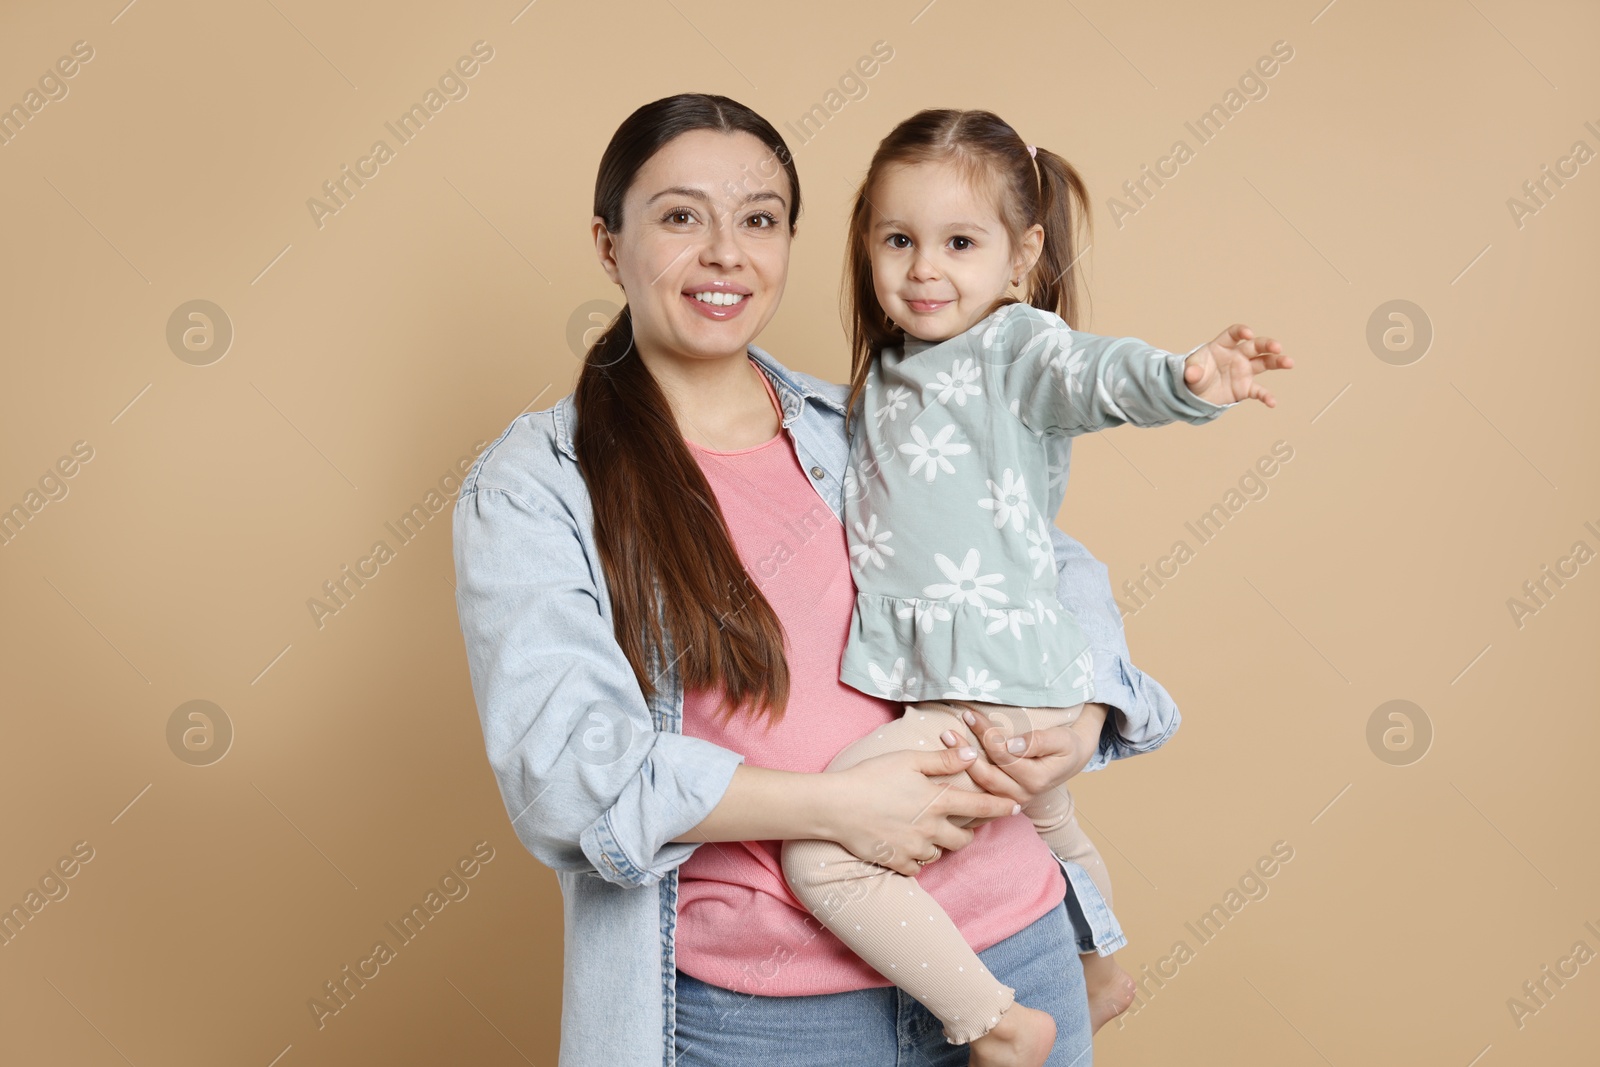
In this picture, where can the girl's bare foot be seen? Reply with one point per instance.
(1022, 1038)
(1111, 989)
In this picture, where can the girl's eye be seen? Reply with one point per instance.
(894, 240)
(960, 244)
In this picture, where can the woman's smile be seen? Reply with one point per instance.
(718, 300)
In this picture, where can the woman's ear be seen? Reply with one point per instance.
(605, 247)
(1028, 252)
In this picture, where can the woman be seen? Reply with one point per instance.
(653, 607)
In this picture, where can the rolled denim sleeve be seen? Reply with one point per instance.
(589, 782)
(1148, 715)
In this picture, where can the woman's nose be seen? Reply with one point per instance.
(722, 248)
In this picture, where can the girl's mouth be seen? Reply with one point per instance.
(928, 307)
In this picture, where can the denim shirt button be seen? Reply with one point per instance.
(817, 473)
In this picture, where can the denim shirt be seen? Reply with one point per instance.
(598, 780)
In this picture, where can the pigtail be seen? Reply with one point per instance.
(1052, 285)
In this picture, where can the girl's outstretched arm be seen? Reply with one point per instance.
(1063, 381)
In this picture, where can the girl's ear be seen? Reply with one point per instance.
(1028, 251)
(605, 247)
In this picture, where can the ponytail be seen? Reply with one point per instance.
(1052, 284)
(669, 561)
(663, 541)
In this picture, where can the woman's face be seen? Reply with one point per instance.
(703, 254)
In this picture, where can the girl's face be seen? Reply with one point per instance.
(703, 253)
(940, 254)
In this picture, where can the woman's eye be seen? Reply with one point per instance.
(895, 240)
(681, 217)
(960, 244)
(763, 220)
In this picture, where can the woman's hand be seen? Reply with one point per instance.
(889, 810)
(1042, 760)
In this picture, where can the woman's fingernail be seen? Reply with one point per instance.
(965, 752)
(968, 719)
(1016, 744)
(948, 737)
(1015, 808)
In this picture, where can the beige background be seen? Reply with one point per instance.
(371, 353)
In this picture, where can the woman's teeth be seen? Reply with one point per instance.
(718, 298)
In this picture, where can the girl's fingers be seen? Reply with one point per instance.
(997, 782)
(954, 838)
(965, 804)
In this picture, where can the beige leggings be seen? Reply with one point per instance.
(887, 918)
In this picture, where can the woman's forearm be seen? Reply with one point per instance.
(764, 804)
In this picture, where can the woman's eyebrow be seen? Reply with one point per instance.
(700, 195)
(681, 190)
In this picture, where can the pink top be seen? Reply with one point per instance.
(739, 927)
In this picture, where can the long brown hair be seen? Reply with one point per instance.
(663, 542)
(1027, 189)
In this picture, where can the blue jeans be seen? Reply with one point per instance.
(883, 1027)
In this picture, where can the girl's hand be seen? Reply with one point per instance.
(1224, 371)
(893, 811)
(1045, 758)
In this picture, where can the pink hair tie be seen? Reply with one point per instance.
(1033, 152)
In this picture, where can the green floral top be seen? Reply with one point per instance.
(956, 460)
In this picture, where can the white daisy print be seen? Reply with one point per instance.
(1073, 367)
(929, 456)
(1012, 619)
(1080, 675)
(1042, 612)
(1048, 342)
(958, 384)
(893, 402)
(1113, 403)
(995, 334)
(1058, 471)
(926, 612)
(1040, 548)
(852, 484)
(966, 586)
(1008, 500)
(870, 547)
(892, 685)
(976, 686)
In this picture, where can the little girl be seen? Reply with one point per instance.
(968, 399)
